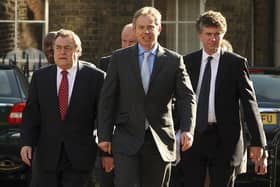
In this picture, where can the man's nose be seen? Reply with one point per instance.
(213, 37)
(147, 30)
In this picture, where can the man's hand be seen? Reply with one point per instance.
(186, 140)
(105, 147)
(261, 166)
(255, 153)
(26, 154)
(107, 163)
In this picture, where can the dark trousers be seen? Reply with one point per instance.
(144, 169)
(34, 170)
(206, 153)
(176, 179)
(64, 176)
(106, 179)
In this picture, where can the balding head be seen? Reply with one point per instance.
(128, 36)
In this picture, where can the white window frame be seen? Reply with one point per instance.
(177, 21)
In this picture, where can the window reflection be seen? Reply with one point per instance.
(187, 34)
(178, 22)
(168, 36)
(21, 38)
(167, 9)
(27, 50)
(7, 38)
(188, 10)
(31, 10)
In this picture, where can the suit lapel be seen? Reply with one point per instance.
(134, 62)
(196, 68)
(221, 71)
(75, 88)
(158, 64)
(53, 89)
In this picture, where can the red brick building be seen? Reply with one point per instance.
(253, 25)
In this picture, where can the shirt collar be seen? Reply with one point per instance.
(142, 50)
(206, 55)
(70, 70)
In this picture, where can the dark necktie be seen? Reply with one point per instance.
(203, 100)
(63, 94)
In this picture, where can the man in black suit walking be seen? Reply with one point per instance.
(136, 97)
(60, 115)
(128, 38)
(221, 81)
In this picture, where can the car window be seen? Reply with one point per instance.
(8, 85)
(267, 87)
(23, 83)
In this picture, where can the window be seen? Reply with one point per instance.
(23, 24)
(178, 22)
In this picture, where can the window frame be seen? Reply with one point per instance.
(17, 21)
(177, 22)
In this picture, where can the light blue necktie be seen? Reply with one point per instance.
(145, 75)
(145, 72)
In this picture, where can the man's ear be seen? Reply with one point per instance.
(159, 28)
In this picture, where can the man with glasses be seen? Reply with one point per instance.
(221, 81)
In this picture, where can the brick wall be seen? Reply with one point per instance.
(6, 29)
(98, 23)
(264, 35)
(238, 14)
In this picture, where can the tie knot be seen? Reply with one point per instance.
(209, 58)
(64, 73)
(146, 54)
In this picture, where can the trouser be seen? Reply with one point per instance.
(144, 169)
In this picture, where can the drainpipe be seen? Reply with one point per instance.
(277, 34)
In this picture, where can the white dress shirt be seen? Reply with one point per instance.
(214, 70)
(70, 76)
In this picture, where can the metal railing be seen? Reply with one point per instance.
(27, 65)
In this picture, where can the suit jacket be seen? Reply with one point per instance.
(104, 63)
(43, 128)
(233, 85)
(123, 102)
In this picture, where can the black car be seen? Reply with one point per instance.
(13, 94)
(266, 82)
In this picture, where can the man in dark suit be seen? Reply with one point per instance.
(60, 114)
(136, 97)
(221, 81)
(128, 38)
